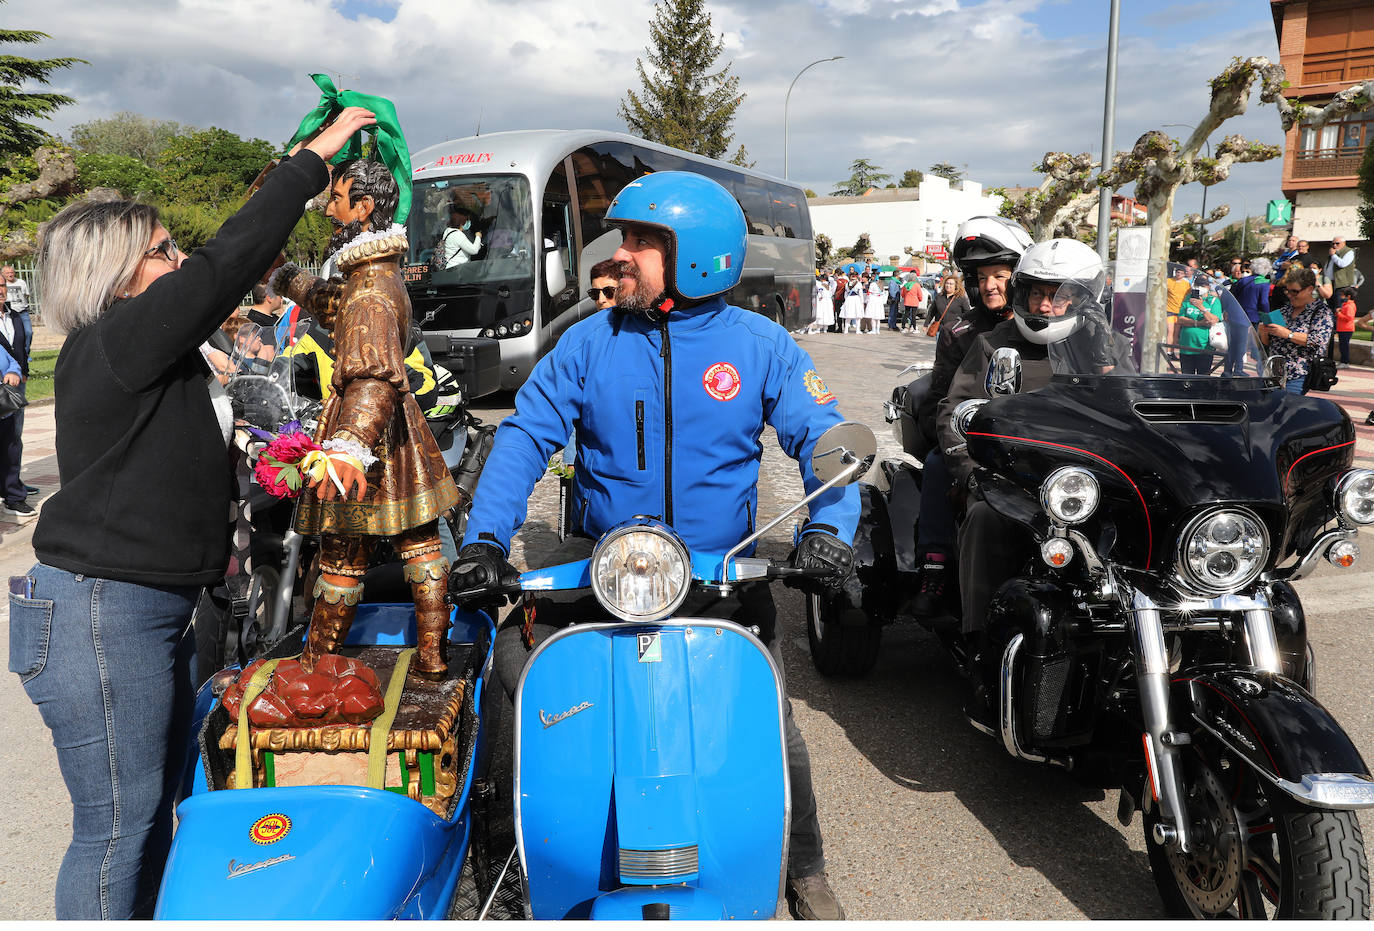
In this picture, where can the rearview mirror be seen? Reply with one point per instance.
(841, 447)
(555, 279)
(1004, 372)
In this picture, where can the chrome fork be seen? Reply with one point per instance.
(1161, 743)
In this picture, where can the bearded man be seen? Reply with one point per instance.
(388, 478)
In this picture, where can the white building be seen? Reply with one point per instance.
(896, 219)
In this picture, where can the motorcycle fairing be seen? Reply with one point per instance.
(651, 753)
(1281, 731)
(1160, 454)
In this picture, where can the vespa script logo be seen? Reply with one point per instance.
(549, 720)
(236, 870)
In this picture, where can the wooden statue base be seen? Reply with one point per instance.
(422, 755)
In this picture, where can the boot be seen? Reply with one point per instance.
(810, 898)
(428, 578)
(932, 596)
(335, 607)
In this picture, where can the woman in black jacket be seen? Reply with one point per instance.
(139, 524)
(949, 300)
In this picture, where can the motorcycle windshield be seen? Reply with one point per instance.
(1179, 323)
(262, 383)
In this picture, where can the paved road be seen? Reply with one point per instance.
(923, 817)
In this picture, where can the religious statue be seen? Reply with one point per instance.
(386, 475)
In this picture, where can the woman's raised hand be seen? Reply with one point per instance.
(336, 135)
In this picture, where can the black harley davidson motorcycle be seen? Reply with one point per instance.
(1153, 640)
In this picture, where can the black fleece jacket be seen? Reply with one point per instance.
(145, 477)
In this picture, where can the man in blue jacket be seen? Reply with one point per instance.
(668, 394)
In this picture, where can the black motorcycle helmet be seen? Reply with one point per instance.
(983, 241)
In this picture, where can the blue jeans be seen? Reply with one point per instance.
(935, 527)
(110, 671)
(1296, 385)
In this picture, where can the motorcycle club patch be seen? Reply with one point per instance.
(721, 381)
(270, 828)
(817, 387)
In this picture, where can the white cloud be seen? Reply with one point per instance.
(983, 82)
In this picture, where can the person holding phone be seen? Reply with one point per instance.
(1300, 331)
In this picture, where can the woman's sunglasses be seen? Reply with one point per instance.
(607, 293)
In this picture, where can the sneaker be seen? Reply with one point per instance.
(930, 598)
(1370, 419)
(20, 512)
(810, 898)
(32, 489)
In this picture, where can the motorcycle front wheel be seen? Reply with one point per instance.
(844, 641)
(1256, 852)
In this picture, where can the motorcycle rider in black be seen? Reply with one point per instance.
(986, 250)
(991, 548)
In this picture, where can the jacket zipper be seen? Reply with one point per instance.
(639, 429)
(749, 515)
(666, 353)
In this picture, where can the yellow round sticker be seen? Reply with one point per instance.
(269, 829)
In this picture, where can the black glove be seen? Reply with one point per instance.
(822, 551)
(481, 566)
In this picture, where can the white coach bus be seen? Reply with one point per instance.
(543, 196)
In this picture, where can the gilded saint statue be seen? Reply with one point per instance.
(387, 477)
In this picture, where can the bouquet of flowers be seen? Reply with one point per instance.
(282, 464)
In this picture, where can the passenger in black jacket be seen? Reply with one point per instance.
(992, 548)
(139, 524)
(986, 250)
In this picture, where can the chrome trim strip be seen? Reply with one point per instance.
(658, 864)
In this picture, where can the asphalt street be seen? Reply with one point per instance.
(923, 817)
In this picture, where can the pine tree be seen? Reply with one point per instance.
(683, 103)
(17, 136)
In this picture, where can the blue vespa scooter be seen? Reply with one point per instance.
(649, 755)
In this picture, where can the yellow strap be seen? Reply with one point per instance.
(243, 752)
(376, 744)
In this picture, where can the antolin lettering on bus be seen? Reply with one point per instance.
(463, 158)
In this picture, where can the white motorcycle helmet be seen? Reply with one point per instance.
(988, 241)
(1077, 274)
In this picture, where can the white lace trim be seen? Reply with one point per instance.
(357, 450)
(354, 249)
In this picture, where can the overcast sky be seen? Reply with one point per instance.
(990, 84)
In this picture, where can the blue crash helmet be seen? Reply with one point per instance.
(704, 224)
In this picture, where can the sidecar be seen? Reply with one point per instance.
(278, 851)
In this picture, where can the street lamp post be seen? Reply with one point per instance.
(1202, 215)
(787, 101)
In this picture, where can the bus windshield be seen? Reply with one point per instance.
(485, 224)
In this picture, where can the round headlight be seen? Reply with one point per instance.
(1355, 496)
(640, 572)
(1222, 551)
(1069, 495)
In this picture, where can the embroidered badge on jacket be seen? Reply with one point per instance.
(817, 387)
(721, 381)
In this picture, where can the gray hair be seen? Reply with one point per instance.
(86, 255)
(1261, 266)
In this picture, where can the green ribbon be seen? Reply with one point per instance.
(390, 141)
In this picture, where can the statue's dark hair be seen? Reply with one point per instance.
(374, 179)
